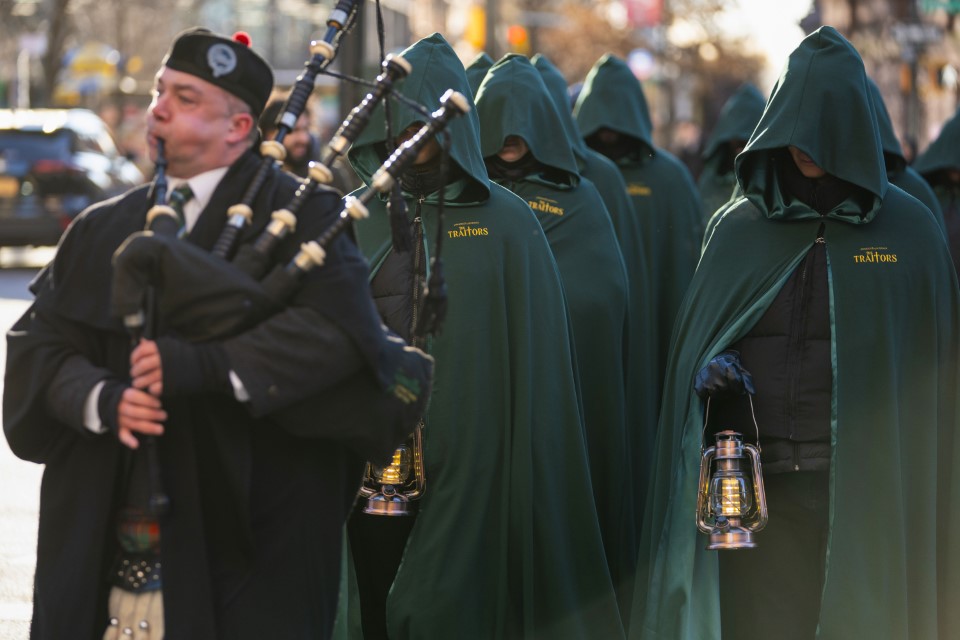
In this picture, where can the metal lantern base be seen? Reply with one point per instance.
(732, 539)
(388, 504)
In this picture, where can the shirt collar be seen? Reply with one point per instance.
(203, 185)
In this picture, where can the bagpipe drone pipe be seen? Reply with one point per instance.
(201, 296)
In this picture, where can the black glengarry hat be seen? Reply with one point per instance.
(227, 63)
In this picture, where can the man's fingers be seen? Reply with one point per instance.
(138, 398)
(127, 439)
(148, 380)
(140, 412)
(144, 364)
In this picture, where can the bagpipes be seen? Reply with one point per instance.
(223, 292)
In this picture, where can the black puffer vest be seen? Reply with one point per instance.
(397, 286)
(788, 352)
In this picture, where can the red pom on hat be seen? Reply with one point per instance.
(242, 37)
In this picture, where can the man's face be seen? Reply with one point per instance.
(297, 141)
(514, 148)
(193, 117)
(805, 164)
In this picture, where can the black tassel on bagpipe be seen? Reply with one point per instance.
(399, 222)
(434, 309)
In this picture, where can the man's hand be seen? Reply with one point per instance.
(139, 409)
(138, 412)
(146, 368)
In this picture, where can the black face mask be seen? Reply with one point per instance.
(821, 194)
(424, 179)
(499, 169)
(622, 147)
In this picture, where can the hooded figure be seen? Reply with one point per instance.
(477, 69)
(898, 171)
(519, 143)
(739, 116)
(506, 542)
(595, 167)
(873, 300)
(605, 174)
(940, 167)
(613, 118)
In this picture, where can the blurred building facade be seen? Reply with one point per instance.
(911, 48)
(103, 53)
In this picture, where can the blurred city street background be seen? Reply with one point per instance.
(690, 55)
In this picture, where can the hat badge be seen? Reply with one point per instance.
(222, 59)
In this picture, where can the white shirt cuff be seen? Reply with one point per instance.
(239, 391)
(91, 410)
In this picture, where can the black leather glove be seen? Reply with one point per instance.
(724, 375)
(193, 368)
(412, 384)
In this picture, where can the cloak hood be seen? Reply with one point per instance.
(899, 172)
(436, 68)
(738, 118)
(613, 98)
(514, 101)
(477, 69)
(893, 152)
(944, 152)
(557, 88)
(823, 75)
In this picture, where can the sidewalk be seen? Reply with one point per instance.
(19, 511)
(19, 503)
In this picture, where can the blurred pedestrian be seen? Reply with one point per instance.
(940, 167)
(303, 147)
(900, 173)
(477, 69)
(739, 116)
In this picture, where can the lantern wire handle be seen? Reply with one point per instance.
(706, 420)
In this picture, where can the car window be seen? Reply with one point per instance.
(87, 142)
(30, 146)
(106, 143)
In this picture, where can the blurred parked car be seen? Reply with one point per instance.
(53, 164)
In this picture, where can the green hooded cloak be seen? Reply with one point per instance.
(898, 171)
(514, 101)
(477, 69)
(605, 174)
(739, 116)
(941, 156)
(893, 551)
(668, 230)
(506, 543)
(944, 152)
(598, 169)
